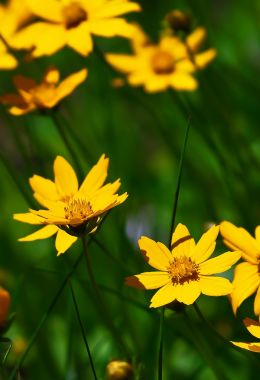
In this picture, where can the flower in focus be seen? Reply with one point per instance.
(72, 23)
(254, 328)
(47, 94)
(5, 300)
(156, 67)
(184, 272)
(119, 370)
(247, 274)
(71, 211)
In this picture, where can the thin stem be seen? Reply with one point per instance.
(100, 303)
(66, 141)
(161, 336)
(83, 331)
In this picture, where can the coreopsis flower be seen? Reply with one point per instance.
(156, 67)
(71, 211)
(119, 370)
(5, 300)
(32, 96)
(247, 274)
(72, 23)
(254, 328)
(184, 271)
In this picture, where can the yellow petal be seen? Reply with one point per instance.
(185, 65)
(7, 61)
(254, 347)
(182, 243)
(70, 83)
(252, 326)
(95, 178)
(43, 233)
(206, 245)
(246, 281)
(47, 9)
(65, 178)
(241, 239)
(257, 303)
(28, 218)
(188, 292)
(257, 234)
(44, 187)
(196, 39)
(148, 280)
(183, 81)
(80, 39)
(111, 28)
(116, 8)
(215, 286)
(52, 75)
(157, 83)
(164, 296)
(16, 111)
(155, 254)
(123, 62)
(220, 263)
(203, 59)
(64, 241)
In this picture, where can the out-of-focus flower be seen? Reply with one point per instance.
(194, 43)
(184, 272)
(156, 67)
(71, 211)
(254, 328)
(178, 21)
(247, 274)
(5, 300)
(72, 23)
(32, 96)
(119, 370)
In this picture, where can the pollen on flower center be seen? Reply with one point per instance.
(74, 15)
(162, 62)
(183, 269)
(78, 209)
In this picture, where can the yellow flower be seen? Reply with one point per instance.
(71, 211)
(194, 42)
(72, 23)
(254, 328)
(184, 272)
(4, 306)
(156, 67)
(47, 94)
(119, 370)
(247, 274)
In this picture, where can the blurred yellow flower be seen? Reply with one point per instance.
(254, 328)
(32, 96)
(71, 211)
(119, 370)
(5, 300)
(184, 272)
(247, 274)
(156, 67)
(72, 23)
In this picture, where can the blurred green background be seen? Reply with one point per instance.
(142, 135)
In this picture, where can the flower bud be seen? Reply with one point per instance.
(4, 305)
(179, 21)
(119, 370)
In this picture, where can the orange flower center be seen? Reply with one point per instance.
(182, 269)
(78, 209)
(74, 15)
(162, 62)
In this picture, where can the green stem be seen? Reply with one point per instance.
(100, 303)
(161, 336)
(83, 331)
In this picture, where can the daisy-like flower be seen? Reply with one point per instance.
(32, 96)
(71, 211)
(156, 67)
(254, 328)
(247, 274)
(72, 23)
(184, 272)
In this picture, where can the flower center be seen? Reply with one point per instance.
(74, 15)
(78, 209)
(162, 62)
(182, 269)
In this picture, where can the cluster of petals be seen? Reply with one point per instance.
(168, 64)
(72, 23)
(254, 328)
(184, 271)
(31, 96)
(71, 210)
(247, 274)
